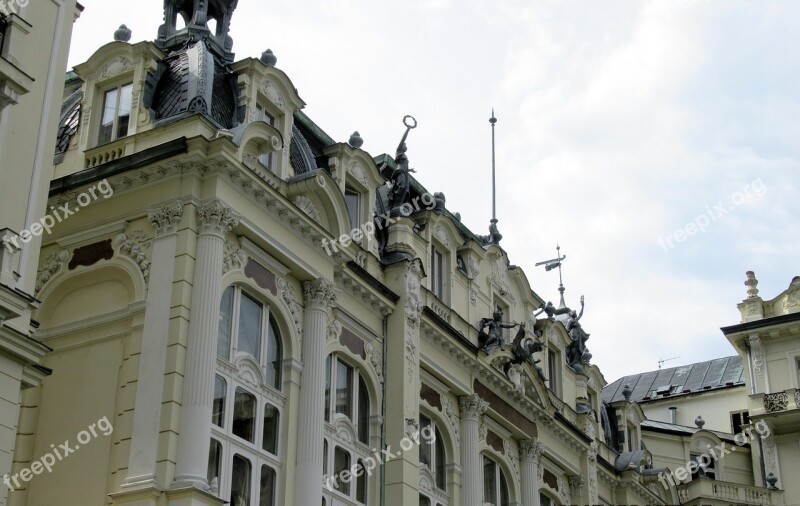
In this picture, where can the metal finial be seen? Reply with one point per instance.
(355, 140)
(122, 34)
(268, 58)
(494, 233)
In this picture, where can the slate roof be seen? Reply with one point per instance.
(70, 119)
(676, 381)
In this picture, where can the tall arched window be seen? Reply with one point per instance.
(432, 456)
(347, 404)
(495, 486)
(244, 460)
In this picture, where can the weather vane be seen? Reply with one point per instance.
(551, 264)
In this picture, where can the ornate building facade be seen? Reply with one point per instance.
(248, 312)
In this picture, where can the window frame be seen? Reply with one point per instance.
(438, 269)
(554, 370)
(355, 216)
(500, 481)
(103, 94)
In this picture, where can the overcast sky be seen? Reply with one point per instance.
(619, 124)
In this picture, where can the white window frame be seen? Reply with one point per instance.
(104, 91)
(498, 470)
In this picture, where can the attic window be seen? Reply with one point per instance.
(116, 113)
(667, 390)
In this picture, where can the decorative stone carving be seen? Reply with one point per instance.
(757, 355)
(50, 268)
(776, 402)
(499, 276)
(751, 283)
(374, 359)
(272, 93)
(594, 493)
(215, 218)
(413, 310)
(474, 268)
(515, 373)
(320, 293)
(307, 206)
(473, 297)
(165, 220)
(290, 298)
(357, 170)
(575, 487)
(412, 429)
(510, 451)
(531, 450)
(334, 329)
(472, 406)
(483, 431)
(115, 67)
(134, 246)
(792, 299)
(450, 412)
(234, 257)
(441, 235)
(361, 259)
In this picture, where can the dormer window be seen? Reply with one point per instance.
(117, 104)
(437, 273)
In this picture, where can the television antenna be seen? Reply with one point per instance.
(662, 360)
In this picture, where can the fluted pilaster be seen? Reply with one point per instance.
(472, 408)
(320, 295)
(214, 221)
(530, 455)
(152, 359)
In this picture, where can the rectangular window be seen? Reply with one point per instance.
(353, 202)
(214, 460)
(244, 415)
(552, 370)
(263, 115)
(240, 481)
(218, 408)
(425, 446)
(341, 462)
(437, 273)
(267, 492)
(225, 322)
(269, 436)
(116, 117)
(739, 419)
(328, 361)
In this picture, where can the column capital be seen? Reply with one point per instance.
(531, 450)
(165, 219)
(215, 218)
(472, 407)
(320, 293)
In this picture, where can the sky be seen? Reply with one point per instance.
(657, 142)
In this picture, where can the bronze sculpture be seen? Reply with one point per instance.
(494, 336)
(401, 181)
(577, 348)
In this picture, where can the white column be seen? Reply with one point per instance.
(530, 454)
(472, 407)
(152, 358)
(214, 221)
(319, 296)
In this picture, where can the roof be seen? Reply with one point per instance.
(683, 430)
(714, 374)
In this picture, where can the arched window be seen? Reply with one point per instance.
(246, 325)
(495, 487)
(347, 404)
(244, 458)
(431, 451)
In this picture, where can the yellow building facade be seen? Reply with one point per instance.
(241, 310)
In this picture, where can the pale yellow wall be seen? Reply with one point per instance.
(715, 407)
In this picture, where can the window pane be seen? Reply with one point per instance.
(328, 388)
(240, 481)
(271, 423)
(124, 114)
(274, 355)
(503, 488)
(218, 408)
(424, 501)
(441, 473)
(214, 462)
(425, 444)
(344, 389)
(489, 482)
(225, 320)
(109, 113)
(351, 200)
(341, 461)
(363, 411)
(544, 500)
(244, 415)
(324, 458)
(267, 494)
(249, 336)
(361, 484)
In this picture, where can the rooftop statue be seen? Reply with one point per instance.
(401, 181)
(577, 348)
(493, 337)
(524, 347)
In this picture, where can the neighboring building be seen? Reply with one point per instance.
(34, 44)
(768, 341)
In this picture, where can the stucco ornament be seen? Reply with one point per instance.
(234, 257)
(134, 246)
(413, 310)
(450, 412)
(50, 268)
(115, 67)
(792, 300)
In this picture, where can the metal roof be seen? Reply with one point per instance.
(665, 383)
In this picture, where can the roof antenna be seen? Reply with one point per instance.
(662, 360)
(494, 234)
